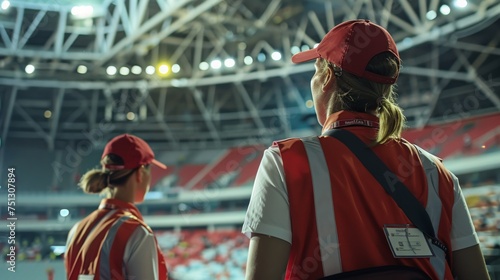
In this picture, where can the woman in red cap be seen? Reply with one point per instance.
(317, 210)
(114, 242)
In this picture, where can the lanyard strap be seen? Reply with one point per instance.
(354, 122)
(390, 182)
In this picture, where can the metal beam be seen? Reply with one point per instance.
(17, 29)
(442, 31)
(429, 72)
(410, 12)
(159, 116)
(61, 29)
(34, 24)
(206, 115)
(478, 81)
(39, 130)
(267, 14)
(145, 27)
(250, 106)
(8, 115)
(472, 47)
(54, 123)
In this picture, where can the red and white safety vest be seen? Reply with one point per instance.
(98, 244)
(338, 210)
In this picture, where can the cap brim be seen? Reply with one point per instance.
(305, 56)
(159, 164)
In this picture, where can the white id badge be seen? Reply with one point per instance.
(407, 242)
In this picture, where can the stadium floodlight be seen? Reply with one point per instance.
(47, 114)
(130, 116)
(229, 62)
(111, 70)
(276, 55)
(136, 69)
(261, 57)
(82, 11)
(176, 68)
(305, 48)
(124, 71)
(64, 213)
(5, 5)
(445, 9)
(81, 69)
(204, 65)
(248, 60)
(30, 68)
(309, 103)
(460, 3)
(294, 49)
(216, 64)
(163, 69)
(150, 70)
(431, 15)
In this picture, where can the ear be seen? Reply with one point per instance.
(138, 175)
(329, 80)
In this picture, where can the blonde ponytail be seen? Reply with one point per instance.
(391, 120)
(102, 180)
(94, 181)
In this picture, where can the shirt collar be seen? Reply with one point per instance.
(347, 115)
(113, 203)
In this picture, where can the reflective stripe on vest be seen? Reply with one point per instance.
(433, 208)
(111, 267)
(323, 203)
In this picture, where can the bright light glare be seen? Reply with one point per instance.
(216, 64)
(445, 9)
(29, 68)
(204, 65)
(460, 3)
(261, 57)
(150, 70)
(5, 4)
(431, 15)
(47, 114)
(111, 70)
(229, 62)
(309, 103)
(130, 116)
(176, 68)
(295, 50)
(304, 48)
(276, 56)
(124, 71)
(163, 69)
(136, 69)
(64, 212)
(84, 11)
(81, 69)
(248, 60)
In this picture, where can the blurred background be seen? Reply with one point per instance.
(209, 84)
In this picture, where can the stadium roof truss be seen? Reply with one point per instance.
(450, 66)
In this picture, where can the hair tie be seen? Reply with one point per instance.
(380, 100)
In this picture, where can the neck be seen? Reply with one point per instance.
(123, 193)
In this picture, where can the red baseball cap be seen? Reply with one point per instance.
(133, 150)
(351, 45)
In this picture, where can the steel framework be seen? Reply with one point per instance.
(451, 67)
